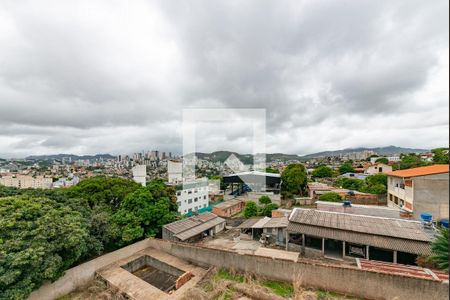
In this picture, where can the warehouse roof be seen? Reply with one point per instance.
(397, 228)
(404, 245)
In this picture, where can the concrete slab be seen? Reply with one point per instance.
(246, 247)
(275, 253)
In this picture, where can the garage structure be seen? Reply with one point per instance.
(340, 235)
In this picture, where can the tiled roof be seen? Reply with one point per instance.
(410, 271)
(421, 171)
(396, 228)
(404, 245)
(188, 223)
(277, 223)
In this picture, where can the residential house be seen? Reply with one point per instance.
(420, 190)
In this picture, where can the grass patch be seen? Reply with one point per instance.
(279, 288)
(224, 274)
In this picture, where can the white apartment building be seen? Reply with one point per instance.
(420, 190)
(26, 182)
(140, 174)
(378, 168)
(192, 196)
(175, 171)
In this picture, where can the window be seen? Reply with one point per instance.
(402, 186)
(204, 197)
(178, 193)
(178, 203)
(195, 199)
(189, 201)
(190, 210)
(189, 192)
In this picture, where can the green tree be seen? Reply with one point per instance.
(144, 212)
(439, 248)
(267, 210)
(293, 180)
(272, 170)
(322, 172)
(250, 209)
(264, 200)
(39, 239)
(350, 183)
(103, 190)
(346, 168)
(441, 156)
(410, 160)
(330, 197)
(382, 160)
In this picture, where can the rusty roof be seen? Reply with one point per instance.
(421, 171)
(405, 270)
(397, 228)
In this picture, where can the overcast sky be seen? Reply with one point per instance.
(88, 77)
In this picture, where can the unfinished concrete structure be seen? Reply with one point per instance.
(152, 274)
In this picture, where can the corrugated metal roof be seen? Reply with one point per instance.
(404, 245)
(199, 229)
(261, 223)
(397, 228)
(188, 223)
(249, 223)
(277, 223)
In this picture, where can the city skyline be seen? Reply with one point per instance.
(87, 77)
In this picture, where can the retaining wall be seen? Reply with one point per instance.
(344, 279)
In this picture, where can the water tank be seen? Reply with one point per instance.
(347, 203)
(444, 223)
(426, 217)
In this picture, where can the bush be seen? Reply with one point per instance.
(267, 210)
(330, 197)
(264, 200)
(250, 210)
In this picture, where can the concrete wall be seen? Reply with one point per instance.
(431, 195)
(344, 279)
(347, 280)
(82, 274)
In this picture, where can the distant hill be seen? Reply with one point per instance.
(72, 156)
(389, 150)
(221, 156)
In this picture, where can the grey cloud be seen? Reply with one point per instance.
(70, 69)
